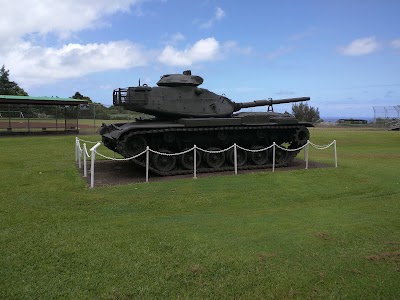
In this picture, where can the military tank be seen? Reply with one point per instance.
(184, 115)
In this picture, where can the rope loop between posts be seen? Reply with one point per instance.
(291, 150)
(90, 142)
(171, 154)
(321, 147)
(84, 148)
(216, 151)
(254, 150)
(120, 159)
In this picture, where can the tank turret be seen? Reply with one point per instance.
(185, 79)
(186, 115)
(178, 95)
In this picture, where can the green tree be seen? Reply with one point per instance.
(100, 110)
(80, 96)
(8, 87)
(306, 113)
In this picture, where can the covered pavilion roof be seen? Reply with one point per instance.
(9, 99)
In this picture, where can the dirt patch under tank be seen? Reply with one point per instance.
(109, 172)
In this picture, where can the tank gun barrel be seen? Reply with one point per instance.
(269, 102)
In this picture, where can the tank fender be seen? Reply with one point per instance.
(116, 134)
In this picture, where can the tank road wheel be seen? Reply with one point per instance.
(164, 163)
(259, 158)
(214, 160)
(261, 134)
(187, 159)
(240, 154)
(134, 144)
(281, 156)
(301, 136)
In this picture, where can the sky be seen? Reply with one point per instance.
(343, 54)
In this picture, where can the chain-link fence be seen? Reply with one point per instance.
(92, 116)
(384, 116)
(28, 118)
(21, 118)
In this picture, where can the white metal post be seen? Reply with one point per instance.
(93, 153)
(273, 157)
(306, 153)
(147, 164)
(194, 163)
(79, 156)
(235, 157)
(84, 161)
(334, 147)
(76, 149)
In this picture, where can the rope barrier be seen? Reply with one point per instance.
(323, 147)
(171, 154)
(79, 152)
(84, 148)
(290, 150)
(255, 150)
(90, 142)
(120, 159)
(215, 151)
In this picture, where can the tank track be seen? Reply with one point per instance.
(120, 146)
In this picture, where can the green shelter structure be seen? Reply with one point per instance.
(26, 115)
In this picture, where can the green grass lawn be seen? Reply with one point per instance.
(331, 233)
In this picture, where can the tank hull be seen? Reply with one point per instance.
(253, 131)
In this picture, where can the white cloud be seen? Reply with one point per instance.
(395, 43)
(25, 50)
(233, 46)
(24, 22)
(203, 50)
(360, 46)
(282, 50)
(219, 14)
(37, 65)
(174, 39)
(18, 18)
(177, 37)
(33, 65)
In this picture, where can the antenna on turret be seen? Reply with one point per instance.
(270, 107)
(139, 81)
